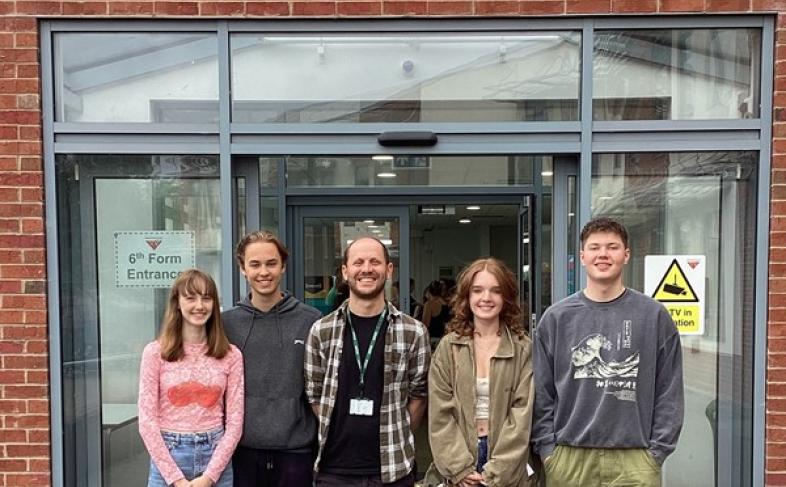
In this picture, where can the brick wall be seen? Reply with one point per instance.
(24, 397)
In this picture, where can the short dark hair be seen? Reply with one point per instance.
(604, 225)
(345, 259)
(259, 236)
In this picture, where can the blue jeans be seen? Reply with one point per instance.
(483, 453)
(191, 452)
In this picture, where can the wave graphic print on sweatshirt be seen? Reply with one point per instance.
(588, 362)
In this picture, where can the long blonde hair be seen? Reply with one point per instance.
(189, 282)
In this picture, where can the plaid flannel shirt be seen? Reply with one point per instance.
(407, 355)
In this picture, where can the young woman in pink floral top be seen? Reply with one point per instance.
(191, 390)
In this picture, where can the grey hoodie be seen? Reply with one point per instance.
(277, 415)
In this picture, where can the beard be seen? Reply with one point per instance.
(363, 294)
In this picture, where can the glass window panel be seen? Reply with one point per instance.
(697, 204)
(105, 321)
(269, 213)
(676, 74)
(409, 170)
(136, 77)
(405, 78)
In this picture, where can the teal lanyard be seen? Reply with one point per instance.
(371, 344)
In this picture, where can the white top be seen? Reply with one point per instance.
(482, 398)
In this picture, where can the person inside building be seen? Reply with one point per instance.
(191, 390)
(436, 310)
(366, 370)
(608, 375)
(270, 328)
(480, 384)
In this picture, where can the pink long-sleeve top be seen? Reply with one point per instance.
(192, 395)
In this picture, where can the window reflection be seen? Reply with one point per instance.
(676, 74)
(405, 78)
(136, 77)
(697, 204)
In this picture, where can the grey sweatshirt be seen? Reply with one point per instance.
(277, 416)
(608, 375)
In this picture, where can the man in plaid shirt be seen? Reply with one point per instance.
(370, 399)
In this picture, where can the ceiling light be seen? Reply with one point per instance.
(473, 207)
(386, 175)
(605, 197)
(372, 226)
(382, 158)
(386, 241)
(370, 222)
(547, 173)
(465, 220)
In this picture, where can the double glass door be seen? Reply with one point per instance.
(428, 243)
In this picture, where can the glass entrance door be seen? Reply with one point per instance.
(324, 234)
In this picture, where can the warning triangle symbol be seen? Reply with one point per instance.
(674, 287)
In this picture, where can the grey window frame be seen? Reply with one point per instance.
(583, 138)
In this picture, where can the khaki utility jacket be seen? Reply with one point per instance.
(451, 410)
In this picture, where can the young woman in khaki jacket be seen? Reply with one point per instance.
(480, 384)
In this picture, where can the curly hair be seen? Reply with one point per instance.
(604, 225)
(510, 316)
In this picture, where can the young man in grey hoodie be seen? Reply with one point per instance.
(608, 376)
(270, 328)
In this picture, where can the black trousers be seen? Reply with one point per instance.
(271, 468)
(333, 480)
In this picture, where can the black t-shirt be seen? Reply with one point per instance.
(352, 446)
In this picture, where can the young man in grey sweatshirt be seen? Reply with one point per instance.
(608, 376)
(270, 328)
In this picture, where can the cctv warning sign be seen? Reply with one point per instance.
(677, 281)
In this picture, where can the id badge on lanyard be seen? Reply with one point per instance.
(362, 406)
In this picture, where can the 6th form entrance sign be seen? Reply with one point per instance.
(677, 282)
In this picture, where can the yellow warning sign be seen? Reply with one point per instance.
(674, 287)
(687, 317)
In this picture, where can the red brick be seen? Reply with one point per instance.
(29, 133)
(32, 225)
(12, 377)
(24, 362)
(449, 8)
(681, 5)
(24, 392)
(587, 6)
(23, 332)
(13, 286)
(32, 194)
(37, 347)
(12, 406)
(13, 436)
(37, 376)
(404, 8)
(313, 8)
(6, 39)
(768, 6)
(13, 209)
(9, 194)
(32, 102)
(10, 225)
(130, 8)
(9, 132)
(13, 465)
(33, 317)
(7, 8)
(266, 9)
(176, 8)
(221, 8)
(38, 7)
(544, 7)
(30, 164)
(24, 271)
(727, 5)
(31, 479)
(38, 406)
(23, 302)
(21, 179)
(6, 102)
(27, 71)
(38, 436)
(37, 421)
(496, 7)
(34, 257)
(359, 8)
(84, 8)
(775, 464)
(10, 317)
(27, 450)
(25, 39)
(777, 360)
(39, 465)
